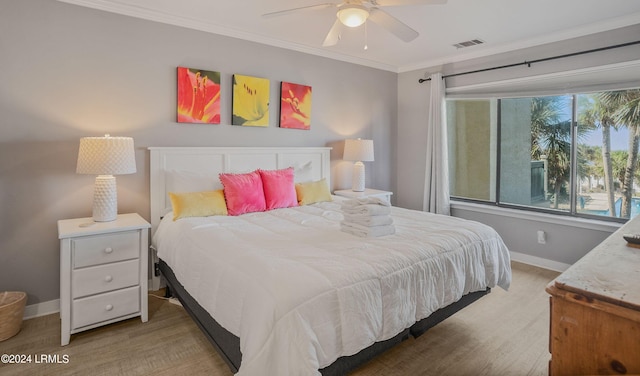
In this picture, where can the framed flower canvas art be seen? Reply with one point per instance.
(198, 96)
(250, 101)
(295, 106)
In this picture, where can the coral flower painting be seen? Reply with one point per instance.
(295, 106)
(250, 101)
(198, 96)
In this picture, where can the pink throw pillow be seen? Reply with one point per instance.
(279, 188)
(243, 193)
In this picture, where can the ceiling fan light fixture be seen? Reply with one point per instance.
(353, 15)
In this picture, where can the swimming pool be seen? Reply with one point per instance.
(635, 208)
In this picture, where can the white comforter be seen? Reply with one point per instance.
(300, 293)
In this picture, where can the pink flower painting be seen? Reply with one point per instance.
(198, 96)
(295, 106)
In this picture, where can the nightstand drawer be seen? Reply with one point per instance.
(103, 307)
(101, 278)
(101, 249)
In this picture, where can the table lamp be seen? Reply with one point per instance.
(358, 151)
(106, 156)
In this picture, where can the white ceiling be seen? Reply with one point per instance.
(503, 24)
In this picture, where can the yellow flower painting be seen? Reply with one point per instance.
(250, 101)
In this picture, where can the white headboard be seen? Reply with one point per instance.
(211, 161)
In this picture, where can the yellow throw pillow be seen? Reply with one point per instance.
(198, 204)
(312, 192)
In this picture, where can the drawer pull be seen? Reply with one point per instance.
(109, 307)
(108, 250)
(108, 278)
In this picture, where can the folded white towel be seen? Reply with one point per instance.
(367, 231)
(365, 201)
(366, 209)
(368, 220)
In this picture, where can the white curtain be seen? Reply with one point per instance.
(436, 181)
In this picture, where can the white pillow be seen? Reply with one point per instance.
(302, 172)
(187, 181)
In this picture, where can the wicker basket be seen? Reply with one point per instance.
(11, 311)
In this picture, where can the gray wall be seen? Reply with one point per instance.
(565, 244)
(68, 72)
(570, 242)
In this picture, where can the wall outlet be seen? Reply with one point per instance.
(542, 237)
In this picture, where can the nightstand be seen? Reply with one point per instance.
(103, 272)
(385, 195)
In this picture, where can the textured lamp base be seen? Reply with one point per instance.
(105, 199)
(357, 183)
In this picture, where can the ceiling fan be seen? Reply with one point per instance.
(353, 13)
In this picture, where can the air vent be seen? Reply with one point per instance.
(468, 43)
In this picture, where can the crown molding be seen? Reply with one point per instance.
(190, 23)
(153, 15)
(597, 27)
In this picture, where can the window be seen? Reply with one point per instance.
(568, 154)
(535, 152)
(472, 148)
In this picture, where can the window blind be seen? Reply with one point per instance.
(618, 76)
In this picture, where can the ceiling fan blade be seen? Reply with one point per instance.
(392, 24)
(301, 9)
(333, 36)
(392, 3)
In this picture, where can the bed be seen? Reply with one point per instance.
(284, 291)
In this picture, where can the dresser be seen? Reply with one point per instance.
(103, 272)
(595, 311)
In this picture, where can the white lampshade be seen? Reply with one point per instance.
(358, 151)
(106, 156)
(353, 16)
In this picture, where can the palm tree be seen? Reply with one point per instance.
(544, 111)
(627, 113)
(551, 137)
(599, 114)
(619, 163)
(556, 143)
(590, 162)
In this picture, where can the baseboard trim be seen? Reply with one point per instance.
(41, 309)
(539, 262)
